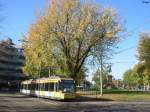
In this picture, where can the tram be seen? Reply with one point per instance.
(52, 87)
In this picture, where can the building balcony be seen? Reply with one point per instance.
(11, 54)
(11, 74)
(11, 59)
(5, 50)
(10, 67)
(12, 62)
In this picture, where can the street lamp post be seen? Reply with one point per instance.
(39, 72)
(49, 72)
(101, 72)
(50, 69)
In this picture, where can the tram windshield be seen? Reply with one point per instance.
(67, 86)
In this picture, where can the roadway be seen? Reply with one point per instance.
(15, 102)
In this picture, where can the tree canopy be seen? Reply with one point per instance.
(135, 77)
(144, 52)
(66, 33)
(140, 74)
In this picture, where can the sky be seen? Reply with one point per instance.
(18, 15)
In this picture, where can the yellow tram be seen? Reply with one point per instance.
(52, 87)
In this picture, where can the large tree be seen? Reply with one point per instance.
(66, 33)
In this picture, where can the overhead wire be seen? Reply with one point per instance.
(129, 32)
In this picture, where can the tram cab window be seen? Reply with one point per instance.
(67, 86)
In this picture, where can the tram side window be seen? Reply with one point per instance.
(57, 86)
(36, 87)
(46, 86)
(25, 86)
(32, 86)
(42, 87)
(39, 88)
(51, 86)
(21, 86)
(29, 86)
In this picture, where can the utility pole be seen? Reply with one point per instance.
(101, 76)
(39, 80)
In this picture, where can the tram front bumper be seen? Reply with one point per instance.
(69, 95)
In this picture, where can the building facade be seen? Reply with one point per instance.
(12, 60)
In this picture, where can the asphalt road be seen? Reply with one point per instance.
(15, 102)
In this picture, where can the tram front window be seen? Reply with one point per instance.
(67, 86)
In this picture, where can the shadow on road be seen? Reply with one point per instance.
(79, 98)
(90, 99)
(12, 94)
